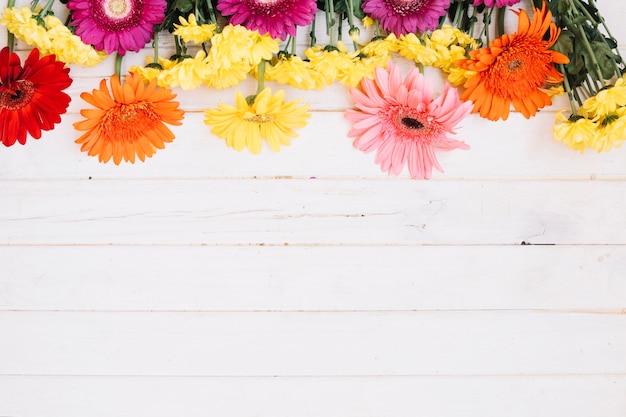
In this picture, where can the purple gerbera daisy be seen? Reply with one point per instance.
(116, 25)
(279, 18)
(406, 16)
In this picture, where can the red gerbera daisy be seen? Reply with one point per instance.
(279, 18)
(116, 25)
(31, 97)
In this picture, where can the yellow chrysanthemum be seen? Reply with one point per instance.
(296, 72)
(448, 35)
(263, 47)
(413, 48)
(329, 62)
(226, 77)
(576, 133)
(612, 132)
(607, 101)
(362, 67)
(458, 76)
(188, 73)
(190, 31)
(231, 46)
(68, 47)
(381, 46)
(367, 21)
(267, 117)
(20, 22)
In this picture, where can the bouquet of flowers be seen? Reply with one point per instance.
(558, 46)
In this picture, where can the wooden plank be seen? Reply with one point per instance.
(332, 397)
(372, 212)
(322, 150)
(312, 344)
(291, 278)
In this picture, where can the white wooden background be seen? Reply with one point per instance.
(207, 282)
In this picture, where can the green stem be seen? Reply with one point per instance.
(155, 45)
(583, 37)
(46, 9)
(350, 14)
(501, 14)
(330, 22)
(10, 36)
(312, 32)
(568, 90)
(118, 65)
(212, 15)
(261, 77)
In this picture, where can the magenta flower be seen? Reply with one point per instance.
(406, 16)
(116, 25)
(279, 18)
(498, 3)
(401, 121)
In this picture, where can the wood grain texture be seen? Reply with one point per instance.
(210, 282)
(313, 278)
(312, 343)
(544, 396)
(353, 212)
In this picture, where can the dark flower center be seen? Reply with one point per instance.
(117, 15)
(405, 7)
(17, 95)
(411, 123)
(269, 7)
(515, 65)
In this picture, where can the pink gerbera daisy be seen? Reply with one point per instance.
(403, 123)
(279, 18)
(406, 16)
(116, 25)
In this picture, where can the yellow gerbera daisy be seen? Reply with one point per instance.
(266, 117)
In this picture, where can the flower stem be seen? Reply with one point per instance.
(587, 46)
(46, 9)
(312, 33)
(350, 14)
(261, 77)
(118, 65)
(155, 44)
(10, 36)
(330, 22)
(212, 16)
(568, 90)
(500, 21)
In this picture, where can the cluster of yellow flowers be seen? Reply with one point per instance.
(599, 124)
(53, 38)
(234, 53)
(440, 49)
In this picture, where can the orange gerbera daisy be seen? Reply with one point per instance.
(514, 68)
(130, 122)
